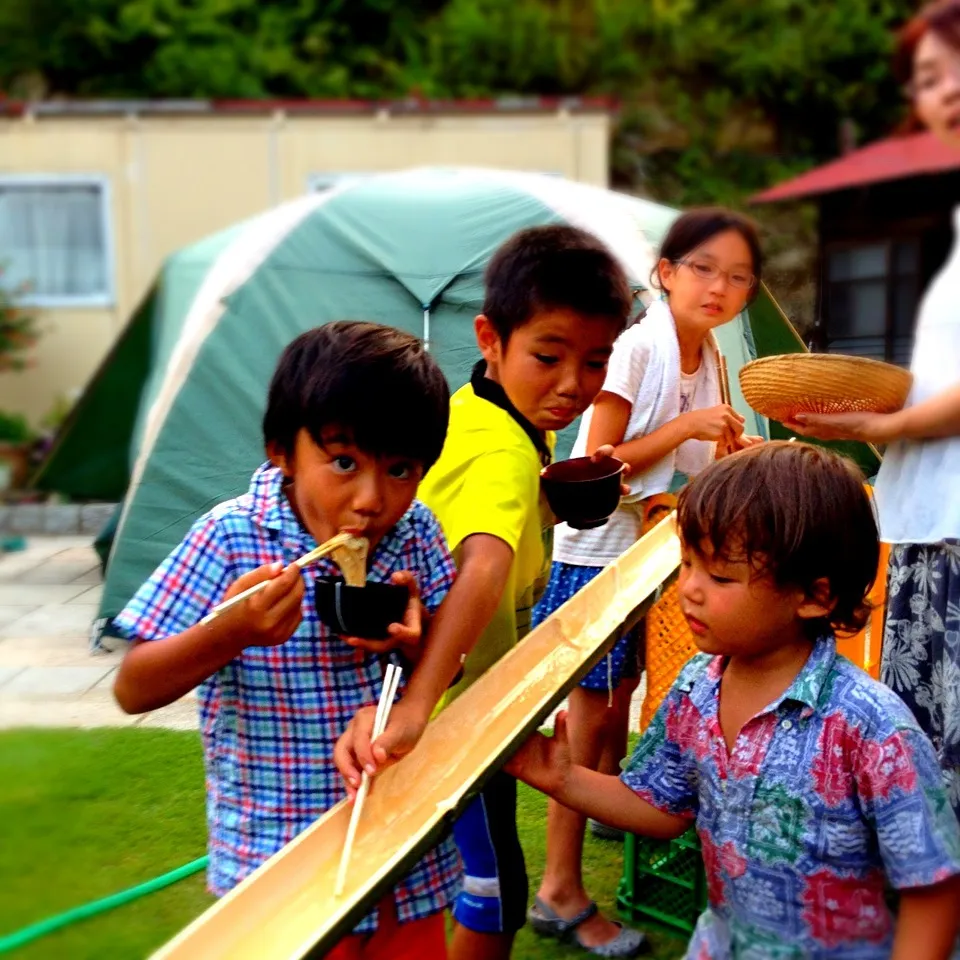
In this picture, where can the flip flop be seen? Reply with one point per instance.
(548, 923)
(602, 832)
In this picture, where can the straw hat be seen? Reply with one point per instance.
(781, 387)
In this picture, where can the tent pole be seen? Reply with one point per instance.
(426, 328)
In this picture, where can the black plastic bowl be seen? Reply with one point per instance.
(583, 492)
(364, 611)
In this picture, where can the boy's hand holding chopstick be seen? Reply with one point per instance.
(270, 616)
(358, 751)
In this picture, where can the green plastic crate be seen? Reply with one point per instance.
(663, 881)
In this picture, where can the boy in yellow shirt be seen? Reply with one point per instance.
(555, 302)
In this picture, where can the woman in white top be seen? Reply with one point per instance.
(918, 487)
(661, 411)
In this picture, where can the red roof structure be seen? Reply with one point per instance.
(895, 158)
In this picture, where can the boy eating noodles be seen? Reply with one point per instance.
(811, 785)
(356, 414)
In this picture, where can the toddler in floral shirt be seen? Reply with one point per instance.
(812, 787)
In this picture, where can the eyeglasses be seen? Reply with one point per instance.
(704, 270)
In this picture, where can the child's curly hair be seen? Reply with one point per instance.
(796, 512)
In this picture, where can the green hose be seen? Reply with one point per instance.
(20, 938)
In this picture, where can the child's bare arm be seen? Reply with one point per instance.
(466, 611)
(544, 763)
(928, 922)
(157, 673)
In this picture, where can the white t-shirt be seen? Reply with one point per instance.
(918, 487)
(629, 374)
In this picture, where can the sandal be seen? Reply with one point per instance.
(602, 832)
(548, 923)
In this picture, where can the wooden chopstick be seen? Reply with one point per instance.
(391, 682)
(724, 380)
(335, 542)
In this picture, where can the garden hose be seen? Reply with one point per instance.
(22, 937)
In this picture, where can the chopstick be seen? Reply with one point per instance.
(340, 540)
(391, 681)
(724, 380)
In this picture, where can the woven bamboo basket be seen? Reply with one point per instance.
(670, 645)
(781, 387)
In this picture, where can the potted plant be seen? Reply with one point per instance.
(18, 333)
(16, 442)
(18, 330)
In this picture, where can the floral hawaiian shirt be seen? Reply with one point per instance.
(829, 795)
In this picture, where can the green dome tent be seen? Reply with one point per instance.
(171, 421)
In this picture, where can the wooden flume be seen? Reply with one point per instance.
(349, 553)
(287, 909)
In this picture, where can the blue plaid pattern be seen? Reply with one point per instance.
(270, 718)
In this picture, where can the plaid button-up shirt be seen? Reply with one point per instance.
(270, 718)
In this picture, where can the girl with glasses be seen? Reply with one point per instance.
(660, 409)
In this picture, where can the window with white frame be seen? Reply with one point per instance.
(55, 239)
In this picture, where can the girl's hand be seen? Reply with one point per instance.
(607, 450)
(737, 444)
(407, 635)
(715, 423)
(269, 617)
(865, 427)
(544, 762)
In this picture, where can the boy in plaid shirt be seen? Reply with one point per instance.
(356, 414)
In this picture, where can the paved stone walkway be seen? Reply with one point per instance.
(49, 597)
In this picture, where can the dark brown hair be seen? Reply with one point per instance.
(554, 267)
(943, 18)
(695, 227)
(795, 512)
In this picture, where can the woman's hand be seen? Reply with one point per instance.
(864, 427)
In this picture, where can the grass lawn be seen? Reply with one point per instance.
(90, 813)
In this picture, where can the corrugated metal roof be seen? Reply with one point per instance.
(895, 158)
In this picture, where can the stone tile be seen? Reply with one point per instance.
(91, 577)
(77, 550)
(54, 652)
(8, 673)
(54, 620)
(104, 686)
(92, 594)
(57, 571)
(181, 715)
(63, 713)
(60, 518)
(11, 613)
(46, 683)
(94, 517)
(38, 594)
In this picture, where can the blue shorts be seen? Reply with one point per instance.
(495, 890)
(621, 662)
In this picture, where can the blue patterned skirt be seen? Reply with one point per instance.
(921, 645)
(621, 662)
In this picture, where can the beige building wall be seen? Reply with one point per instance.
(171, 180)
